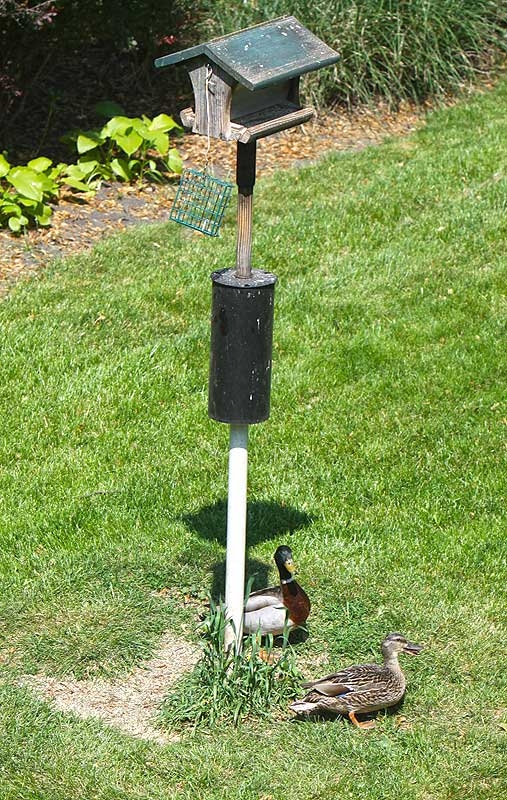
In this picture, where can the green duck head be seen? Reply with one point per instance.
(284, 560)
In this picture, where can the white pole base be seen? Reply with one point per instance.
(236, 534)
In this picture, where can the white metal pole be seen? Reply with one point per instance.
(236, 533)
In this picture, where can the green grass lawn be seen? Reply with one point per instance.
(383, 465)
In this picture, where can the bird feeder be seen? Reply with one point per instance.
(253, 85)
(246, 87)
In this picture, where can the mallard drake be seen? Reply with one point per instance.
(270, 610)
(362, 688)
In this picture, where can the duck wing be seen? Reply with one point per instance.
(271, 596)
(269, 619)
(361, 678)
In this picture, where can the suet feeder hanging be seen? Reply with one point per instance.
(201, 201)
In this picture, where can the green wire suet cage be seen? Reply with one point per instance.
(201, 201)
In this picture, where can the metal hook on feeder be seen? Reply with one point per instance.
(209, 73)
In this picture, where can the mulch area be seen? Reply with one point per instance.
(80, 222)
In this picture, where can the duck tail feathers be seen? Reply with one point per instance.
(302, 707)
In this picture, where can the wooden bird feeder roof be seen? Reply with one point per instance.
(262, 55)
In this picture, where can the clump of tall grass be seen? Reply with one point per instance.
(390, 49)
(230, 686)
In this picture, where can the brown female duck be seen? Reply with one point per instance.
(362, 688)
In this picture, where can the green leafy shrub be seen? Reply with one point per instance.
(27, 191)
(231, 686)
(126, 149)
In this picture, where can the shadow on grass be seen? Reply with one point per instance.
(265, 520)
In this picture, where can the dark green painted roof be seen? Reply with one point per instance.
(263, 54)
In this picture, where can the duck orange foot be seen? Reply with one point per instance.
(365, 726)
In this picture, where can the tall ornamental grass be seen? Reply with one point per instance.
(390, 49)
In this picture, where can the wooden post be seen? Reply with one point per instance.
(245, 178)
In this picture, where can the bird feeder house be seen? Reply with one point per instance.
(246, 87)
(246, 84)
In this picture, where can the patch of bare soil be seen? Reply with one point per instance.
(130, 704)
(78, 222)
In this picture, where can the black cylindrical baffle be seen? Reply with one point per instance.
(241, 347)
